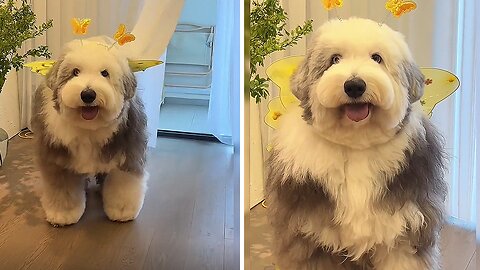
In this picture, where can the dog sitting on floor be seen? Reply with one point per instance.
(89, 121)
(356, 172)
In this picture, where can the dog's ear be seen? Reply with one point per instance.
(52, 75)
(129, 85)
(305, 76)
(301, 81)
(413, 79)
(308, 72)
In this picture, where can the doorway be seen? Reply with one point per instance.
(188, 71)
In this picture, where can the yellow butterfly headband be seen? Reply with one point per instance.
(80, 27)
(395, 7)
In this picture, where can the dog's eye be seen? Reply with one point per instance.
(105, 73)
(335, 59)
(75, 72)
(377, 58)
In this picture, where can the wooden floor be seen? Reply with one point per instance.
(187, 221)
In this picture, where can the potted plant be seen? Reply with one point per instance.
(267, 35)
(17, 25)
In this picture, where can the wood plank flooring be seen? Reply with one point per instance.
(187, 221)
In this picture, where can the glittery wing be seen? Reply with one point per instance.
(142, 65)
(439, 84)
(80, 27)
(331, 4)
(40, 67)
(120, 31)
(400, 7)
(84, 25)
(125, 38)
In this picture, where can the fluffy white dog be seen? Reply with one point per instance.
(89, 121)
(356, 172)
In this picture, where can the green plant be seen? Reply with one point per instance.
(17, 24)
(267, 35)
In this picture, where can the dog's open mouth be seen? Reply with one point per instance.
(89, 112)
(357, 111)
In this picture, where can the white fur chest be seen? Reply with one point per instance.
(84, 146)
(86, 157)
(354, 179)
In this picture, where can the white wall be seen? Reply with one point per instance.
(9, 105)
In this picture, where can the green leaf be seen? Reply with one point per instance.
(17, 25)
(268, 21)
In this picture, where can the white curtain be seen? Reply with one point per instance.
(440, 34)
(223, 114)
(151, 21)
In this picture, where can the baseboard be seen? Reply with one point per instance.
(186, 135)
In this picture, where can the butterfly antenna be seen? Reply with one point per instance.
(335, 13)
(382, 22)
(111, 46)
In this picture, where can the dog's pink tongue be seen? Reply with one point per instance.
(357, 112)
(89, 112)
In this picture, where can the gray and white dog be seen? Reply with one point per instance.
(356, 172)
(89, 121)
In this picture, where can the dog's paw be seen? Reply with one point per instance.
(123, 211)
(64, 217)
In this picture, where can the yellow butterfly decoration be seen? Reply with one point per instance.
(439, 84)
(331, 4)
(400, 7)
(42, 67)
(80, 26)
(122, 36)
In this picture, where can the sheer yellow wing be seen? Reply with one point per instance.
(142, 65)
(40, 67)
(439, 84)
(280, 72)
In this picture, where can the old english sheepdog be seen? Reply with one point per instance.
(356, 171)
(88, 121)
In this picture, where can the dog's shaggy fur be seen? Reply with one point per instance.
(356, 180)
(79, 134)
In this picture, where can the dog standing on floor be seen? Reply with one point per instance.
(89, 121)
(356, 172)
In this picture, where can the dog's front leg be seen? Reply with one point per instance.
(123, 194)
(405, 257)
(63, 197)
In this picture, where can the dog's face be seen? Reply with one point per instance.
(91, 84)
(358, 80)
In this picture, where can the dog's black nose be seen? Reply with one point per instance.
(355, 87)
(88, 95)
